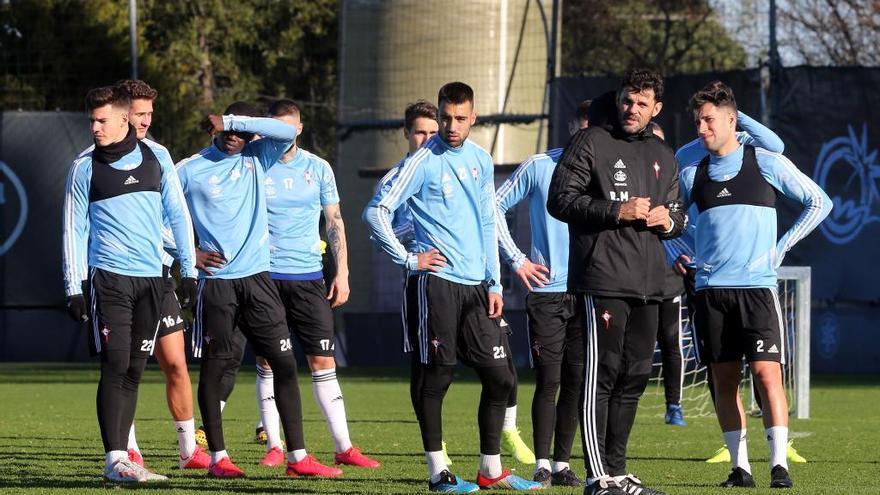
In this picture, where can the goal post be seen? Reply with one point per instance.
(794, 299)
(794, 287)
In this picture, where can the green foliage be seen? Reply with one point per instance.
(53, 51)
(672, 37)
(200, 54)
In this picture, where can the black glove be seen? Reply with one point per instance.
(77, 308)
(189, 290)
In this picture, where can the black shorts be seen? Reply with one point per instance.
(448, 320)
(555, 326)
(171, 318)
(124, 312)
(309, 315)
(732, 323)
(248, 305)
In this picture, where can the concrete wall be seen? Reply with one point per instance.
(393, 53)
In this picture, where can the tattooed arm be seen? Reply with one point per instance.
(339, 289)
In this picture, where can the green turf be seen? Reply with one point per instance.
(49, 440)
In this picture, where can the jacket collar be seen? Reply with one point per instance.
(112, 153)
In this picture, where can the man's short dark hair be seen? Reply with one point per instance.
(638, 80)
(456, 93)
(107, 95)
(243, 109)
(583, 110)
(138, 90)
(419, 109)
(283, 107)
(716, 93)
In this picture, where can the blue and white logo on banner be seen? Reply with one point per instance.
(829, 337)
(13, 207)
(849, 172)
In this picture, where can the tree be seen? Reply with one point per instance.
(204, 54)
(52, 51)
(831, 32)
(200, 54)
(672, 37)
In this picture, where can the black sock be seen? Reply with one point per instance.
(567, 407)
(496, 382)
(547, 379)
(511, 399)
(287, 399)
(129, 394)
(212, 390)
(435, 382)
(110, 399)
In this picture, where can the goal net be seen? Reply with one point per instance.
(794, 297)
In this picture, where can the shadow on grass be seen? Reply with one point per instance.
(207, 485)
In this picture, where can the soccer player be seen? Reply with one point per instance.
(420, 124)
(238, 302)
(170, 349)
(453, 292)
(117, 193)
(669, 333)
(554, 326)
(616, 185)
(737, 253)
(299, 188)
(681, 250)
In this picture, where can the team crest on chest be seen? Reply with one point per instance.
(656, 169)
(307, 175)
(105, 333)
(475, 172)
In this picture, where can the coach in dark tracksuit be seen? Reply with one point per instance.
(616, 186)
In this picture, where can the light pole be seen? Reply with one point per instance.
(132, 30)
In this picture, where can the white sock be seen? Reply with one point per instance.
(777, 438)
(297, 455)
(218, 456)
(490, 465)
(115, 455)
(132, 441)
(509, 418)
(268, 412)
(328, 395)
(260, 422)
(186, 437)
(542, 463)
(739, 452)
(560, 466)
(436, 464)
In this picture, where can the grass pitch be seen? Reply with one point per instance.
(49, 440)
